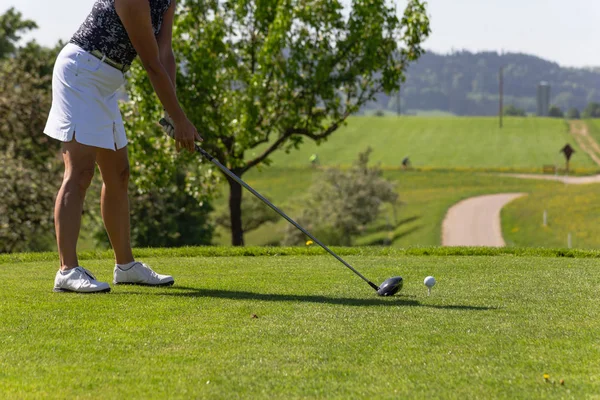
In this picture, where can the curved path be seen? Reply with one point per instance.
(476, 221)
(571, 180)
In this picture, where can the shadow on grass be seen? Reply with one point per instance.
(238, 295)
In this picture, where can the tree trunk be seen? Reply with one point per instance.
(235, 212)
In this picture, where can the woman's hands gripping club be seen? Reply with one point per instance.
(184, 132)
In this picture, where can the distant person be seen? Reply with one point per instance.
(406, 162)
(85, 116)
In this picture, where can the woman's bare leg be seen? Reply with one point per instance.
(114, 166)
(79, 162)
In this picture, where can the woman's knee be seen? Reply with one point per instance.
(118, 179)
(80, 178)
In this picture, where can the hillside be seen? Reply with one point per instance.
(465, 83)
(524, 144)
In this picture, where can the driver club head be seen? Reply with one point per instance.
(391, 286)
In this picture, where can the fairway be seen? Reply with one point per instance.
(425, 197)
(302, 326)
(475, 142)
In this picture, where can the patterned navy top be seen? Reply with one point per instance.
(104, 31)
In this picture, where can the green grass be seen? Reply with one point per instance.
(493, 326)
(523, 143)
(425, 196)
(571, 209)
(594, 128)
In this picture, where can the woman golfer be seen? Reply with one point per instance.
(85, 116)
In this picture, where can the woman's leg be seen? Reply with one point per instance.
(79, 170)
(114, 167)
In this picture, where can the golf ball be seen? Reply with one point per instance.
(429, 281)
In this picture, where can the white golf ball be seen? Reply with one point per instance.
(429, 281)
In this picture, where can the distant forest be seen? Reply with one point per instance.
(465, 83)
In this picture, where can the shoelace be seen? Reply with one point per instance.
(88, 273)
(154, 274)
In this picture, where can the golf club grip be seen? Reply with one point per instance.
(233, 176)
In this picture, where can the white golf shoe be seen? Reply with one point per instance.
(141, 274)
(78, 280)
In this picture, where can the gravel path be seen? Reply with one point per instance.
(476, 221)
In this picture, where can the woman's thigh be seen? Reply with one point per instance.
(114, 166)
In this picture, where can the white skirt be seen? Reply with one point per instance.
(84, 101)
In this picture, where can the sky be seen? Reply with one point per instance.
(566, 32)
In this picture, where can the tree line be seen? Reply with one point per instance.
(466, 83)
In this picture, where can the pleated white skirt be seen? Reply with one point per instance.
(84, 101)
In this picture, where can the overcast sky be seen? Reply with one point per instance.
(567, 32)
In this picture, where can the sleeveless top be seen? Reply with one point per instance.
(104, 31)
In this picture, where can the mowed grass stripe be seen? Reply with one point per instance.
(491, 329)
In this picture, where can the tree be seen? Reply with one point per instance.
(25, 99)
(12, 25)
(512, 111)
(255, 212)
(273, 73)
(573, 113)
(592, 110)
(26, 200)
(342, 202)
(555, 112)
(29, 159)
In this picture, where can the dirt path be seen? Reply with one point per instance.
(476, 221)
(571, 180)
(579, 130)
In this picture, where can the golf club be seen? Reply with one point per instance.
(388, 288)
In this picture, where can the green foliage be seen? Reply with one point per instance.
(12, 26)
(512, 111)
(168, 191)
(25, 99)
(592, 110)
(556, 112)
(573, 113)
(342, 203)
(279, 72)
(26, 200)
(169, 217)
(30, 170)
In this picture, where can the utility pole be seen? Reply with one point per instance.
(501, 90)
(398, 101)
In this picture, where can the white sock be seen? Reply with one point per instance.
(125, 267)
(68, 271)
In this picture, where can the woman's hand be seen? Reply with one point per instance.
(186, 135)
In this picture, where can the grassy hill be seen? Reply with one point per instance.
(281, 324)
(455, 158)
(523, 144)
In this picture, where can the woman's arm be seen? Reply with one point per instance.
(135, 16)
(165, 47)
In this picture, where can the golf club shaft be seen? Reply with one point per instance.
(277, 210)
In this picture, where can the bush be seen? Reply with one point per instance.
(27, 199)
(342, 202)
(512, 111)
(555, 112)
